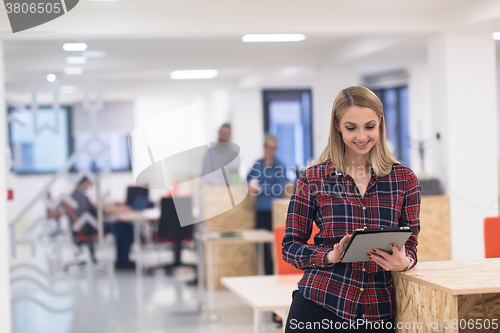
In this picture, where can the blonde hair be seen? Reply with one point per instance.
(269, 137)
(379, 157)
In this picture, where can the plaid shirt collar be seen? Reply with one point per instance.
(333, 171)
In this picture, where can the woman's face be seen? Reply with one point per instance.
(360, 129)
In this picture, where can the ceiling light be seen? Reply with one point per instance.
(496, 35)
(75, 47)
(194, 74)
(94, 54)
(73, 70)
(67, 90)
(253, 38)
(76, 60)
(51, 77)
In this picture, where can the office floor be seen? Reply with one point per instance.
(95, 301)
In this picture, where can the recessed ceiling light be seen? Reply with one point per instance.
(75, 47)
(51, 77)
(76, 60)
(94, 54)
(496, 35)
(194, 74)
(256, 38)
(67, 90)
(73, 70)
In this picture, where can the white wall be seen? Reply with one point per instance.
(5, 303)
(464, 107)
(248, 124)
(329, 81)
(420, 118)
(115, 116)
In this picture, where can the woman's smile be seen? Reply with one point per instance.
(362, 144)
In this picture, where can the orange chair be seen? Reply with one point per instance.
(492, 237)
(281, 267)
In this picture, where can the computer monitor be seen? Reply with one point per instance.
(138, 197)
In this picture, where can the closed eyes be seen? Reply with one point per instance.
(353, 128)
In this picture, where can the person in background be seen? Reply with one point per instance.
(357, 184)
(222, 155)
(267, 180)
(123, 231)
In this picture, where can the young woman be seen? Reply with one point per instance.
(358, 184)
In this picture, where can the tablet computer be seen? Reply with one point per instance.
(363, 241)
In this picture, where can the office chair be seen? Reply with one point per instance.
(170, 230)
(491, 236)
(281, 267)
(79, 237)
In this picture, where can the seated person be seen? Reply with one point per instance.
(123, 231)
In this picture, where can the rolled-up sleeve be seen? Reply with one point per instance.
(410, 216)
(301, 214)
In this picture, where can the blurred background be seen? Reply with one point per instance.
(68, 114)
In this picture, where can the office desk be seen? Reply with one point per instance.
(264, 293)
(208, 240)
(138, 218)
(434, 295)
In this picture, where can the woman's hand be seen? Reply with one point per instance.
(397, 261)
(333, 257)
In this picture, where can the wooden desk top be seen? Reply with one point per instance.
(264, 292)
(140, 215)
(457, 277)
(245, 236)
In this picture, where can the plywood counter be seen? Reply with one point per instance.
(442, 296)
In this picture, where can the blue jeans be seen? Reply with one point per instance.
(124, 234)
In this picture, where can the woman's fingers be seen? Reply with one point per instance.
(390, 262)
(343, 242)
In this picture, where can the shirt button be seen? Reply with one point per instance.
(363, 270)
(361, 289)
(364, 208)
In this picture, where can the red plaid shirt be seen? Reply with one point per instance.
(333, 201)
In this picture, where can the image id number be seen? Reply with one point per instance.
(471, 324)
(33, 8)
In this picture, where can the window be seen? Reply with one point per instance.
(288, 116)
(115, 157)
(43, 146)
(395, 101)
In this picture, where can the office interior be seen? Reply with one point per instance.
(433, 62)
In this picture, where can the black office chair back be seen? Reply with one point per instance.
(170, 227)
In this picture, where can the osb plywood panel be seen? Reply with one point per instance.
(479, 309)
(240, 217)
(423, 309)
(434, 237)
(231, 259)
(280, 209)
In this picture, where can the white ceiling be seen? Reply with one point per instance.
(145, 40)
